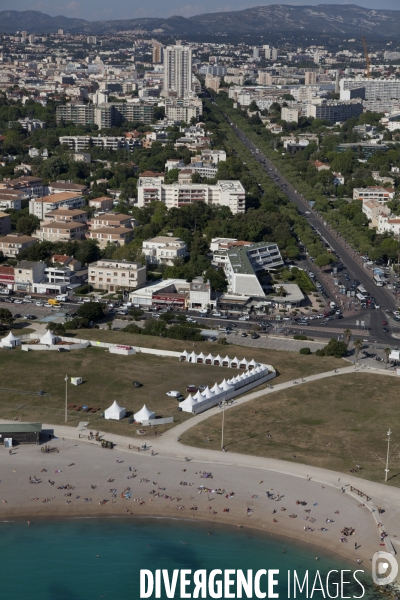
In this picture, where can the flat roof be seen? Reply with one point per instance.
(20, 428)
(239, 259)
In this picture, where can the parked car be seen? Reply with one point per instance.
(62, 350)
(255, 336)
(173, 394)
(192, 388)
(243, 335)
(18, 316)
(137, 384)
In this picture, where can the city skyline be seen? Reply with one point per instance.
(154, 8)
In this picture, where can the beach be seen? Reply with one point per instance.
(81, 479)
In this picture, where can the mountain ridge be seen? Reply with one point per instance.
(333, 20)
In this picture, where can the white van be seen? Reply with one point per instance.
(332, 305)
(62, 298)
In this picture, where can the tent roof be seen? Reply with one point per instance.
(48, 338)
(188, 402)
(144, 414)
(115, 406)
(11, 338)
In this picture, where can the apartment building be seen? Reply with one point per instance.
(230, 193)
(247, 263)
(12, 199)
(373, 210)
(335, 110)
(310, 78)
(60, 187)
(66, 214)
(164, 250)
(183, 109)
(27, 273)
(116, 236)
(106, 114)
(290, 115)
(111, 220)
(389, 224)
(61, 231)
(78, 114)
(103, 203)
(213, 82)
(178, 70)
(5, 223)
(32, 186)
(105, 142)
(114, 275)
(383, 90)
(41, 206)
(375, 192)
(13, 243)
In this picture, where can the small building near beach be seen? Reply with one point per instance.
(20, 433)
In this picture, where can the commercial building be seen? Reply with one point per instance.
(335, 110)
(230, 193)
(246, 264)
(27, 273)
(178, 70)
(7, 277)
(20, 433)
(13, 243)
(175, 293)
(41, 206)
(114, 275)
(164, 250)
(378, 193)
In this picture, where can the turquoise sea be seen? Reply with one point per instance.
(87, 559)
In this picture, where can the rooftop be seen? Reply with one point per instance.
(55, 198)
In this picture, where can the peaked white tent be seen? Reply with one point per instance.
(225, 386)
(226, 362)
(209, 359)
(184, 356)
(48, 338)
(216, 389)
(192, 357)
(115, 412)
(198, 397)
(187, 404)
(200, 358)
(207, 394)
(218, 361)
(144, 414)
(11, 340)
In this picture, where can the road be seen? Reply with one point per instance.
(346, 254)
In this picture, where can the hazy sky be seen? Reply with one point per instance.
(94, 10)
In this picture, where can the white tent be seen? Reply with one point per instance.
(115, 412)
(216, 389)
(207, 393)
(11, 340)
(225, 386)
(235, 362)
(209, 359)
(48, 338)
(253, 363)
(198, 397)
(187, 404)
(218, 361)
(144, 414)
(200, 358)
(192, 357)
(244, 363)
(184, 356)
(226, 361)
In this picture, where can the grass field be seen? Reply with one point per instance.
(334, 423)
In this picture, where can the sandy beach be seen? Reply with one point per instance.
(82, 479)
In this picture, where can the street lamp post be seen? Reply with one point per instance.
(389, 433)
(66, 398)
(223, 422)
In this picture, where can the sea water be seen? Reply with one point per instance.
(87, 559)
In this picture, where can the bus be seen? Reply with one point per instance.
(362, 289)
(377, 279)
(361, 298)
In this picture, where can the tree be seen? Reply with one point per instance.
(335, 348)
(358, 344)
(6, 317)
(88, 251)
(324, 259)
(56, 328)
(27, 224)
(347, 336)
(92, 311)
(387, 352)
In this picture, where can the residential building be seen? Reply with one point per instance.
(103, 203)
(373, 209)
(310, 78)
(27, 273)
(178, 70)
(290, 115)
(116, 236)
(61, 231)
(78, 114)
(183, 109)
(164, 250)
(59, 187)
(111, 220)
(105, 142)
(246, 265)
(41, 206)
(106, 114)
(7, 278)
(335, 110)
(33, 186)
(63, 260)
(212, 82)
(13, 243)
(12, 199)
(376, 192)
(264, 78)
(230, 193)
(368, 148)
(375, 89)
(389, 224)
(114, 275)
(157, 54)
(66, 214)
(5, 223)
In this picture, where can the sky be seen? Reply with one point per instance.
(94, 10)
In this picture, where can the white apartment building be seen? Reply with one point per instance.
(230, 193)
(246, 263)
(378, 193)
(290, 115)
(113, 275)
(335, 110)
(373, 210)
(390, 224)
(183, 109)
(383, 90)
(13, 243)
(164, 250)
(178, 70)
(105, 142)
(41, 206)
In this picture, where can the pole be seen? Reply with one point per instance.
(387, 456)
(66, 398)
(223, 421)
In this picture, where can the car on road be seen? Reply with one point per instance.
(243, 334)
(216, 314)
(39, 303)
(18, 301)
(385, 330)
(244, 318)
(384, 322)
(255, 336)
(48, 305)
(18, 316)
